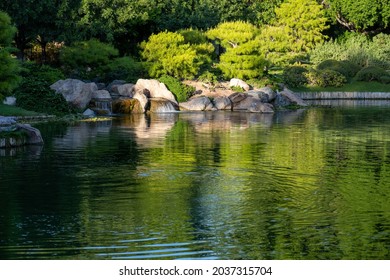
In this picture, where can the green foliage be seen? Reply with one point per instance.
(9, 67)
(295, 76)
(181, 91)
(231, 34)
(170, 54)
(124, 68)
(2, 97)
(209, 77)
(87, 59)
(325, 78)
(36, 95)
(357, 49)
(346, 68)
(42, 72)
(298, 28)
(361, 15)
(372, 73)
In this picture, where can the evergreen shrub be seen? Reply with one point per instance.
(325, 78)
(181, 91)
(294, 76)
(347, 68)
(372, 73)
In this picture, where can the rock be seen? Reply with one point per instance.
(141, 96)
(287, 97)
(10, 100)
(222, 103)
(76, 92)
(269, 91)
(262, 96)
(237, 97)
(89, 113)
(101, 86)
(6, 121)
(115, 84)
(239, 83)
(160, 105)
(155, 88)
(101, 94)
(127, 106)
(201, 103)
(125, 90)
(253, 104)
(34, 136)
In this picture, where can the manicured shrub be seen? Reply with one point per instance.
(87, 59)
(181, 91)
(168, 53)
(124, 68)
(348, 69)
(372, 73)
(325, 78)
(294, 76)
(45, 73)
(36, 95)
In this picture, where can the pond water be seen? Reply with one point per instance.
(306, 184)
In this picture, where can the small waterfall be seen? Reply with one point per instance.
(103, 106)
(160, 105)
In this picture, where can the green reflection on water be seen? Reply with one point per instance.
(295, 185)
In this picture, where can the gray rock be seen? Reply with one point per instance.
(155, 88)
(262, 96)
(75, 92)
(89, 113)
(269, 91)
(101, 94)
(201, 103)
(6, 121)
(239, 83)
(10, 100)
(222, 103)
(252, 104)
(34, 136)
(237, 97)
(287, 97)
(125, 90)
(115, 83)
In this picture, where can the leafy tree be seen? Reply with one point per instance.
(241, 56)
(88, 59)
(298, 28)
(168, 53)
(361, 15)
(9, 67)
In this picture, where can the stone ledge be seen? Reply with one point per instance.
(342, 95)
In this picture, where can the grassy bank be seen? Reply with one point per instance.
(6, 110)
(352, 87)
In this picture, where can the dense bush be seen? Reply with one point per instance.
(87, 59)
(34, 91)
(124, 68)
(294, 76)
(325, 78)
(36, 95)
(348, 69)
(209, 77)
(181, 91)
(168, 53)
(372, 73)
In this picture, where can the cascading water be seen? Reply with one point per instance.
(103, 106)
(159, 105)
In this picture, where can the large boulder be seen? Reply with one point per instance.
(34, 136)
(142, 96)
(262, 96)
(270, 92)
(253, 104)
(75, 92)
(114, 84)
(156, 89)
(101, 94)
(286, 97)
(201, 103)
(239, 83)
(125, 90)
(161, 105)
(127, 106)
(237, 97)
(222, 103)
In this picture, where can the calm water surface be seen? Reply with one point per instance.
(307, 184)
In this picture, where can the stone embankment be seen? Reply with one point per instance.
(342, 95)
